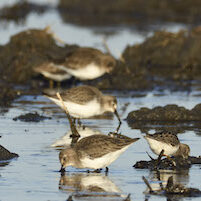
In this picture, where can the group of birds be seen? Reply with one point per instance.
(98, 151)
(84, 63)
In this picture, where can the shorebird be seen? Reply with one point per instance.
(86, 101)
(88, 63)
(168, 142)
(52, 72)
(94, 152)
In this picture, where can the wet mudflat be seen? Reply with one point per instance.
(34, 174)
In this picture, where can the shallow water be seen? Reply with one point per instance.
(34, 175)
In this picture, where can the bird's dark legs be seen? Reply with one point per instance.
(58, 85)
(106, 169)
(51, 84)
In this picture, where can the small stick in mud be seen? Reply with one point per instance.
(128, 198)
(148, 185)
(150, 156)
(159, 158)
(75, 134)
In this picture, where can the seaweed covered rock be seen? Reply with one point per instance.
(139, 12)
(177, 163)
(123, 78)
(167, 57)
(26, 50)
(20, 10)
(7, 94)
(169, 113)
(6, 155)
(31, 117)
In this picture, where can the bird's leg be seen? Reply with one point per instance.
(117, 115)
(79, 122)
(51, 84)
(74, 120)
(106, 169)
(62, 170)
(58, 85)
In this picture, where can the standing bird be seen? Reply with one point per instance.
(168, 142)
(94, 152)
(88, 63)
(86, 101)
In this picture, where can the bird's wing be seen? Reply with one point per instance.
(82, 57)
(98, 145)
(81, 94)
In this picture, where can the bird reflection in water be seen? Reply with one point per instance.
(90, 185)
(67, 138)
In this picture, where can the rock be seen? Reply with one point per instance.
(6, 155)
(167, 58)
(168, 113)
(135, 12)
(31, 117)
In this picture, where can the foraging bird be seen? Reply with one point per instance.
(168, 142)
(94, 152)
(86, 101)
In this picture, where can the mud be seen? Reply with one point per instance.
(26, 50)
(7, 95)
(135, 12)
(6, 155)
(178, 163)
(31, 117)
(168, 58)
(19, 11)
(165, 60)
(168, 113)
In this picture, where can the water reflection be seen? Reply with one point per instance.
(159, 178)
(82, 185)
(66, 139)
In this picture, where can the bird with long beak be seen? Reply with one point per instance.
(85, 102)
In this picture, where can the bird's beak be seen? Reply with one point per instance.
(117, 115)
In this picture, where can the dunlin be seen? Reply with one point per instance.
(52, 72)
(86, 101)
(168, 142)
(94, 152)
(67, 139)
(88, 63)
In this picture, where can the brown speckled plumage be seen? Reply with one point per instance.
(80, 94)
(98, 145)
(166, 137)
